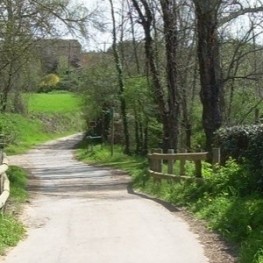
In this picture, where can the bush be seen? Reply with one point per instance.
(245, 144)
(49, 82)
(234, 141)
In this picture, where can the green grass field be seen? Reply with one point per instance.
(53, 102)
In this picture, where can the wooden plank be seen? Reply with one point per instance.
(198, 168)
(216, 156)
(175, 178)
(6, 191)
(179, 156)
(3, 168)
(1, 183)
(157, 163)
(182, 167)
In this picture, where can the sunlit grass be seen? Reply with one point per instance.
(53, 102)
(102, 155)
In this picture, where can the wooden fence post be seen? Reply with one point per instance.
(198, 168)
(182, 165)
(1, 176)
(170, 162)
(158, 163)
(216, 156)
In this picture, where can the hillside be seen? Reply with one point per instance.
(49, 116)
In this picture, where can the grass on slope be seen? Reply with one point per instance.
(22, 133)
(53, 102)
(50, 116)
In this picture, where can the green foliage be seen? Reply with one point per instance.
(11, 231)
(18, 180)
(244, 143)
(234, 141)
(98, 85)
(141, 106)
(49, 83)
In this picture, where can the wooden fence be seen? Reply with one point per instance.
(157, 158)
(4, 182)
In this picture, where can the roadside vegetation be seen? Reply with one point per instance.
(11, 229)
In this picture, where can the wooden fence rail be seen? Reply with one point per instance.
(4, 182)
(157, 158)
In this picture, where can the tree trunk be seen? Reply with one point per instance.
(121, 84)
(170, 35)
(168, 109)
(209, 66)
(158, 92)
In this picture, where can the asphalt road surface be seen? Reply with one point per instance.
(83, 214)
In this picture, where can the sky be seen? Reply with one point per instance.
(102, 41)
(97, 40)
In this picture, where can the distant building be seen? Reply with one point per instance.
(53, 51)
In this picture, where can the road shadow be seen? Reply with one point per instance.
(166, 205)
(68, 143)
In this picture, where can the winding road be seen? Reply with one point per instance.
(83, 214)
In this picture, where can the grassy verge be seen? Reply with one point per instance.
(11, 230)
(134, 165)
(227, 200)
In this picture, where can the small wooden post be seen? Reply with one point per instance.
(1, 183)
(216, 156)
(198, 168)
(159, 162)
(151, 161)
(112, 131)
(170, 162)
(182, 165)
(1, 176)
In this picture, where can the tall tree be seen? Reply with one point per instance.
(168, 106)
(119, 70)
(208, 21)
(209, 65)
(169, 10)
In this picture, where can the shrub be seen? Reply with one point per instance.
(245, 144)
(49, 82)
(234, 141)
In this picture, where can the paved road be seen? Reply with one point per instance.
(82, 214)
